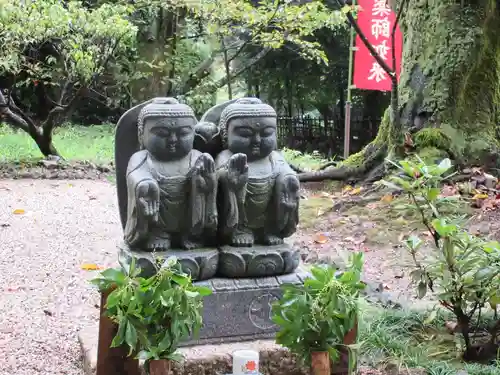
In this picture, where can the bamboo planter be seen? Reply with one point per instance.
(320, 361)
(159, 367)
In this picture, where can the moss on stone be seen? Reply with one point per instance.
(432, 137)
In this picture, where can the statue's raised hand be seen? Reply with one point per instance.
(291, 196)
(204, 172)
(148, 198)
(237, 171)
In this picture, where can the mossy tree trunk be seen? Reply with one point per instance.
(449, 90)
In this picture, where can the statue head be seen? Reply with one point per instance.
(248, 126)
(166, 128)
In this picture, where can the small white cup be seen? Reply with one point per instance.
(245, 362)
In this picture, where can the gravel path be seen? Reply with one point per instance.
(46, 298)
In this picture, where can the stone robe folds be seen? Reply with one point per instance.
(183, 209)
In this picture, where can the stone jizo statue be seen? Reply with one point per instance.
(229, 216)
(171, 187)
(259, 190)
(259, 193)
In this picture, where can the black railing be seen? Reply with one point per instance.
(308, 134)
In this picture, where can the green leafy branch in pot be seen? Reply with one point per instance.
(153, 314)
(317, 316)
(464, 269)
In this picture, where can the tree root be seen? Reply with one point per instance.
(297, 169)
(371, 157)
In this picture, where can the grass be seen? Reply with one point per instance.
(74, 143)
(399, 339)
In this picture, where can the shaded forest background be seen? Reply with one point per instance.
(88, 61)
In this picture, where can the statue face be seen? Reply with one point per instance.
(168, 138)
(255, 136)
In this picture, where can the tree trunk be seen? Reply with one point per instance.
(45, 145)
(20, 120)
(449, 88)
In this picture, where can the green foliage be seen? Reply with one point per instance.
(317, 316)
(270, 24)
(155, 314)
(463, 269)
(304, 160)
(83, 40)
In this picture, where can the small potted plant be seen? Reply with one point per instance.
(318, 320)
(153, 314)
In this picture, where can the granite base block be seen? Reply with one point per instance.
(207, 359)
(240, 309)
(201, 264)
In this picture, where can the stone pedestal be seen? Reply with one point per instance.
(258, 260)
(240, 309)
(200, 263)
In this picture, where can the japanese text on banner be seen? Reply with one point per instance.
(376, 20)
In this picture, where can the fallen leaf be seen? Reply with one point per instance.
(480, 196)
(319, 212)
(346, 189)
(356, 191)
(387, 198)
(321, 239)
(476, 170)
(19, 211)
(14, 288)
(91, 267)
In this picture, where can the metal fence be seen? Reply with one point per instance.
(308, 134)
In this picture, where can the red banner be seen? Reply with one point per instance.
(376, 19)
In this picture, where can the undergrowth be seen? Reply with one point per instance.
(403, 339)
(304, 160)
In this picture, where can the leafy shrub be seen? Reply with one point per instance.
(316, 316)
(155, 314)
(463, 269)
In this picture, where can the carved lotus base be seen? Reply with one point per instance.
(257, 261)
(200, 263)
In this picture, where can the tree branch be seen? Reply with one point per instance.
(12, 113)
(364, 39)
(254, 60)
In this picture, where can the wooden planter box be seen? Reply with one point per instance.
(112, 361)
(341, 367)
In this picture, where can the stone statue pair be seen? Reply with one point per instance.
(214, 193)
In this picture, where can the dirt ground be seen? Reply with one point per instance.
(336, 220)
(50, 228)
